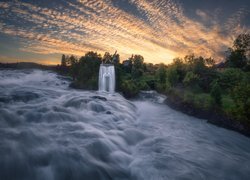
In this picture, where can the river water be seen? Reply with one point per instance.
(49, 131)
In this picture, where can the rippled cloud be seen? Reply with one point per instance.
(159, 30)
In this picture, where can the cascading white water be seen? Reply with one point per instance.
(50, 131)
(107, 78)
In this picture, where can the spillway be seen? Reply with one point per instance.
(107, 78)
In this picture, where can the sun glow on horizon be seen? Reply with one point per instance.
(158, 30)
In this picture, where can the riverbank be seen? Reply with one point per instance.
(182, 101)
(212, 115)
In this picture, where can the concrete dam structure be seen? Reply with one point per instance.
(107, 78)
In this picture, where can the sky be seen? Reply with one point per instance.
(159, 30)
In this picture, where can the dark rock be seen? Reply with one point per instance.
(99, 97)
(24, 96)
(108, 112)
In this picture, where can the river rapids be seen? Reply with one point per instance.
(49, 131)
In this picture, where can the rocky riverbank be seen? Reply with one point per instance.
(213, 116)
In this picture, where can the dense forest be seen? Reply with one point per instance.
(195, 82)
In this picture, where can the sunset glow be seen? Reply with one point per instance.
(159, 30)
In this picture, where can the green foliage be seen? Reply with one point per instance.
(228, 105)
(160, 87)
(172, 76)
(191, 79)
(129, 88)
(237, 59)
(197, 64)
(230, 77)
(188, 97)
(240, 95)
(161, 74)
(161, 78)
(127, 66)
(86, 70)
(239, 54)
(150, 68)
(216, 93)
(180, 67)
(73, 64)
(142, 85)
(137, 66)
(203, 101)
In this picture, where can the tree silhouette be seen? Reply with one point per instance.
(63, 61)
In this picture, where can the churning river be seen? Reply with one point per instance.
(49, 131)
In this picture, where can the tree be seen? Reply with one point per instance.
(150, 68)
(189, 59)
(242, 42)
(137, 66)
(230, 77)
(137, 61)
(240, 95)
(161, 78)
(72, 60)
(199, 65)
(73, 64)
(129, 88)
(181, 68)
(216, 93)
(63, 61)
(107, 58)
(88, 68)
(210, 62)
(116, 59)
(239, 54)
(161, 74)
(172, 76)
(191, 79)
(236, 59)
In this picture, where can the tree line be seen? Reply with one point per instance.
(196, 81)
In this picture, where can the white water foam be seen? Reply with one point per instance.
(50, 131)
(107, 78)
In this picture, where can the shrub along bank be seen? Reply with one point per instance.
(195, 85)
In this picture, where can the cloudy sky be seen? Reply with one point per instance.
(42, 30)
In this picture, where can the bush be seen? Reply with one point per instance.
(172, 76)
(129, 88)
(230, 78)
(188, 97)
(191, 79)
(203, 101)
(161, 87)
(228, 105)
(142, 85)
(216, 93)
(240, 95)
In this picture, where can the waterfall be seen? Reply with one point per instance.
(107, 78)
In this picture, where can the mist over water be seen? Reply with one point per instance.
(50, 131)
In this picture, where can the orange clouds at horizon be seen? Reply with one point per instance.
(88, 25)
(50, 61)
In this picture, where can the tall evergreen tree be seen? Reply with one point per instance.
(63, 61)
